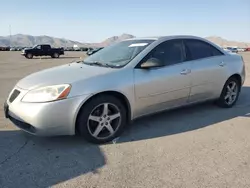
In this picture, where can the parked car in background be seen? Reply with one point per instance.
(233, 49)
(12, 49)
(42, 50)
(241, 49)
(247, 49)
(4, 48)
(83, 49)
(69, 49)
(98, 96)
(92, 51)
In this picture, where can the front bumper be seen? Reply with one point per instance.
(44, 119)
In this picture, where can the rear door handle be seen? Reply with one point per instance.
(185, 71)
(222, 64)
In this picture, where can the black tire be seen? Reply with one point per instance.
(222, 101)
(56, 55)
(29, 56)
(83, 122)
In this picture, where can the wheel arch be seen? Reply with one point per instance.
(238, 77)
(120, 96)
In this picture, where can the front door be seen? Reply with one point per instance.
(165, 87)
(37, 50)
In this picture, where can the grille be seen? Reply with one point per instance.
(14, 95)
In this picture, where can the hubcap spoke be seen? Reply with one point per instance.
(233, 93)
(110, 128)
(98, 130)
(228, 88)
(105, 109)
(94, 118)
(230, 99)
(233, 86)
(114, 116)
(227, 96)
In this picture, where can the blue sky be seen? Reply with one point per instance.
(95, 20)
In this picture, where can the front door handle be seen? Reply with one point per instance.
(185, 71)
(222, 64)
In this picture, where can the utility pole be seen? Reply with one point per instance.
(10, 34)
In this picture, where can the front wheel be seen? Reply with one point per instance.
(230, 93)
(102, 119)
(29, 56)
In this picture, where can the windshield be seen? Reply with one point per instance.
(119, 54)
(37, 47)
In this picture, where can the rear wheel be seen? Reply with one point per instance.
(102, 119)
(230, 93)
(56, 55)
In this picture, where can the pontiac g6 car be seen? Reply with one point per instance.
(99, 96)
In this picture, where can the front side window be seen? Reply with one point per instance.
(38, 47)
(169, 52)
(119, 54)
(197, 49)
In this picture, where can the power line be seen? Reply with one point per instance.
(10, 34)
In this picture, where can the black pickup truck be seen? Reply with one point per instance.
(42, 50)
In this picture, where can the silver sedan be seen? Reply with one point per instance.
(99, 96)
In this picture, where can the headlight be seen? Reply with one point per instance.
(48, 93)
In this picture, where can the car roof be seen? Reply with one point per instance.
(166, 37)
(170, 37)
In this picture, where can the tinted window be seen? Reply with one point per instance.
(216, 52)
(38, 47)
(46, 46)
(198, 49)
(170, 52)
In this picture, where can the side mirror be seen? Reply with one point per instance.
(152, 63)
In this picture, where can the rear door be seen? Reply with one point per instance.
(46, 50)
(208, 70)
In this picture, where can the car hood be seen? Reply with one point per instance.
(65, 74)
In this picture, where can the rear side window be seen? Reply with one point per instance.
(197, 49)
(45, 47)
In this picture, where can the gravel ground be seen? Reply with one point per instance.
(199, 146)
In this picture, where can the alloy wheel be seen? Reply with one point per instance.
(104, 121)
(231, 93)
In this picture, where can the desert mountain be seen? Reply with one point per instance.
(28, 40)
(223, 42)
(116, 39)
